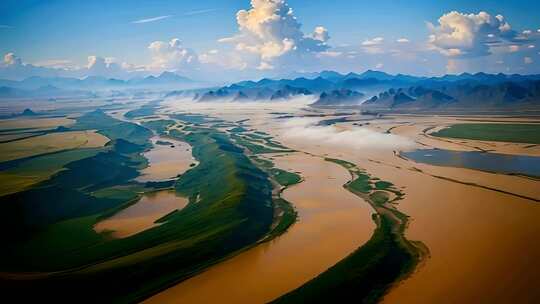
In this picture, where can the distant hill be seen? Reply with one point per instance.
(240, 93)
(339, 97)
(47, 91)
(164, 80)
(461, 95)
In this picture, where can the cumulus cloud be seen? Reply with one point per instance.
(320, 33)
(403, 40)
(172, 55)
(269, 30)
(11, 59)
(469, 35)
(100, 66)
(13, 67)
(356, 138)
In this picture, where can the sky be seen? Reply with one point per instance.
(242, 39)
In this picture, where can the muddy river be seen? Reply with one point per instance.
(332, 223)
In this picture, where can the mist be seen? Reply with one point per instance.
(306, 129)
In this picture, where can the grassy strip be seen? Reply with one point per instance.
(254, 148)
(518, 133)
(146, 110)
(285, 178)
(160, 126)
(113, 128)
(370, 271)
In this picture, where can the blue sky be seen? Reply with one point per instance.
(65, 33)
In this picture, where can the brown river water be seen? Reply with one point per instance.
(142, 215)
(332, 223)
(165, 162)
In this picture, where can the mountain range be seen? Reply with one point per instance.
(375, 89)
(165, 81)
(370, 89)
(460, 95)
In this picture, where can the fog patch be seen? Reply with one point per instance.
(306, 129)
(295, 102)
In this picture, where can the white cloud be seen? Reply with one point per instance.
(172, 55)
(200, 12)
(55, 63)
(11, 59)
(332, 54)
(379, 65)
(373, 46)
(403, 40)
(374, 41)
(270, 31)
(356, 138)
(265, 66)
(528, 60)
(320, 33)
(13, 67)
(468, 35)
(153, 19)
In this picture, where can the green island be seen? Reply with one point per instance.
(504, 132)
(368, 273)
(54, 251)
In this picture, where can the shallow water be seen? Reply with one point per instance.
(491, 162)
(166, 161)
(332, 223)
(142, 215)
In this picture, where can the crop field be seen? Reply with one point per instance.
(516, 133)
(50, 143)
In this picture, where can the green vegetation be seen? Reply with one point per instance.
(113, 128)
(287, 218)
(285, 178)
(238, 130)
(145, 110)
(160, 126)
(379, 198)
(21, 173)
(518, 133)
(231, 208)
(164, 143)
(195, 118)
(370, 271)
(383, 185)
(254, 148)
(49, 226)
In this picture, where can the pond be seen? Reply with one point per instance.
(484, 161)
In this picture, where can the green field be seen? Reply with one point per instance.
(516, 133)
